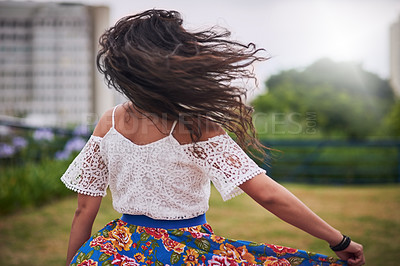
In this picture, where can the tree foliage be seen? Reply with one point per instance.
(346, 99)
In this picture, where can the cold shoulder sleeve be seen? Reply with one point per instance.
(229, 166)
(88, 173)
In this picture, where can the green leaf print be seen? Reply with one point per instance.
(310, 254)
(89, 255)
(176, 232)
(294, 261)
(104, 257)
(253, 244)
(201, 252)
(332, 259)
(203, 244)
(105, 233)
(80, 258)
(144, 237)
(158, 263)
(96, 235)
(73, 264)
(132, 228)
(175, 257)
(97, 248)
(106, 263)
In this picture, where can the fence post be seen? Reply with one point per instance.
(398, 162)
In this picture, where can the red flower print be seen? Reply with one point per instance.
(191, 257)
(88, 263)
(272, 261)
(280, 251)
(238, 254)
(197, 234)
(140, 229)
(98, 241)
(157, 233)
(124, 261)
(208, 227)
(108, 249)
(170, 244)
(139, 257)
(121, 238)
(217, 239)
(222, 261)
(203, 259)
(121, 223)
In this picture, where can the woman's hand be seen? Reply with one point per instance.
(353, 254)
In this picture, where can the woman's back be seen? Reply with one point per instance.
(143, 129)
(154, 172)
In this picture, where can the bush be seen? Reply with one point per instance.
(31, 185)
(32, 162)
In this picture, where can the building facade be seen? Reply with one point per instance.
(395, 57)
(47, 63)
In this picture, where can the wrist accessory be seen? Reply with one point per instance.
(342, 245)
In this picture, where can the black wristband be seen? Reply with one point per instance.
(342, 245)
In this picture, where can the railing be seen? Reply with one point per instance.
(306, 161)
(334, 161)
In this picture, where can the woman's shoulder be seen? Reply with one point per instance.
(104, 124)
(211, 130)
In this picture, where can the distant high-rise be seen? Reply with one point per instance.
(47, 62)
(395, 57)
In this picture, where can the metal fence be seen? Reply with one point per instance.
(334, 161)
(304, 161)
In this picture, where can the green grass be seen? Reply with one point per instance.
(31, 184)
(369, 214)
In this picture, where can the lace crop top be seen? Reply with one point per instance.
(163, 179)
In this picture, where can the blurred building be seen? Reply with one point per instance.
(395, 56)
(47, 62)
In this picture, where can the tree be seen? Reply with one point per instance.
(346, 99)
(392, 121)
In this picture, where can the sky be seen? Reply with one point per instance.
(295, 33)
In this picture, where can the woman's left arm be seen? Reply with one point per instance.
(82, 223)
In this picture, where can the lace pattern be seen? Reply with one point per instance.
(88, 174)
(163, 179)
(230, 166)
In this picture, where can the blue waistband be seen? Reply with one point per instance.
(146, 221)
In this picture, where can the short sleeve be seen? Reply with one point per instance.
(88, 173)
(230, 166)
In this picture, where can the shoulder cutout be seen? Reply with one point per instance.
(211, 130)
(104, 124)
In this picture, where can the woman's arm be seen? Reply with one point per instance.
(279, 201)
(82, 223)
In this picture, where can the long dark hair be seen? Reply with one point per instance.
(191, 76)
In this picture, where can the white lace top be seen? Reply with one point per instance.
(163, 179)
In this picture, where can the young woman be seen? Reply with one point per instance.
(159, 151)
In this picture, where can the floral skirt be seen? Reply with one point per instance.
(123, 243)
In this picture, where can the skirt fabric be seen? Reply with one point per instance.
(127, 241)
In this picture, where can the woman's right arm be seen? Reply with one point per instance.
(81, 228)
(279, 201)
(88, 206)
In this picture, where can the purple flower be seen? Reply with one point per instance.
(43, 134)
(81, 130)
(62, 155)
(75, 144)
(19, 142)
(6, 150)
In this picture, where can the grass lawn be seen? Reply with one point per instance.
(369, 214)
